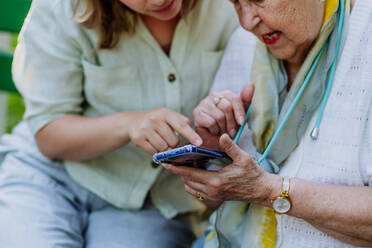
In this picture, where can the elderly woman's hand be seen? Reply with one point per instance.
(219, 113)
(243, 180)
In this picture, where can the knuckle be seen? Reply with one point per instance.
(181, 125)
(183, 122)
(225, 92)
(227, 106)
(145, 129)
(196, 112)
(136, 139)
(211, 95)
(163, 147)
(186, 121)
(187, 189)
(211, 123)
(163, 110)
(220, 116)
(235, 97)
(204, 102)
(198, 119)
(175, 142)
(153, 118)
(216, 182)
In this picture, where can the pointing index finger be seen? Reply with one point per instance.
(182, 125)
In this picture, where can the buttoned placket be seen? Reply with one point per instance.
(172, 78)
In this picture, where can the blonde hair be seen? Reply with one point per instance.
(112, 18)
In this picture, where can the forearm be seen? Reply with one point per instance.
(74, 137)
(345, 238)
(341, 211)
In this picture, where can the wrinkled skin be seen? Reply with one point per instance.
(243, 180)
(212, 120)
(299, 21)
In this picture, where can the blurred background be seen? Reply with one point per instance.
(12, 15)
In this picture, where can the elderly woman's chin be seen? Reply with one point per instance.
(289, 53)
(282, 53)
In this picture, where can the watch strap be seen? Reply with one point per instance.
(285, 187)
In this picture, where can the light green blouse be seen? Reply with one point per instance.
(58, 71)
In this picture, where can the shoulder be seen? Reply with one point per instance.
(361, 12)
(49, 15)
(235, 69)
(240, 50)
(52, 21)
(363, 4)
(241, 45)
(52, 8)
(211, 23)
(220, 6)
(220, 10)
(242, 37)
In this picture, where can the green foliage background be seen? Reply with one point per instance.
(15, 104)
(15, 110)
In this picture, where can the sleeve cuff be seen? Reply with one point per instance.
(38, 122)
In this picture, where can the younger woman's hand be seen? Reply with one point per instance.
(157, 130)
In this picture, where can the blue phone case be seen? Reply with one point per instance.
(191, 155)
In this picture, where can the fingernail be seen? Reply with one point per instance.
(241, 120)
(198, 142)
(223, 138)
(232, 133)
(166, 166)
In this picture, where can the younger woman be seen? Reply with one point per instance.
(106, 84)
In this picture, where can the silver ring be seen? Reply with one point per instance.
(217, 100)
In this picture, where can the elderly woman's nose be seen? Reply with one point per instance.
(248, 18)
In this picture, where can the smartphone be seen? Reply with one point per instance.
(190, 155)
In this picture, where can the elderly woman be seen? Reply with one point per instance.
(309, 123)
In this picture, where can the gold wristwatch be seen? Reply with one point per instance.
(282, 204)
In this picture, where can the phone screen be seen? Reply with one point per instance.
(198, 160)
(193, 156)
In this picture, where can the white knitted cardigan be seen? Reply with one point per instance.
(342, 155)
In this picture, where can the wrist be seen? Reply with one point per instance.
(272, 188)
(123, 124)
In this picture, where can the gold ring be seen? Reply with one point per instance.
(199, 196)
(217, 100)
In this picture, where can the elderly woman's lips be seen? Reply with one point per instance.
(271, 38)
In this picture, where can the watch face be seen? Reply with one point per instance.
(281, 205)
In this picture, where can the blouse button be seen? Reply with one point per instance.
(171, 78)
